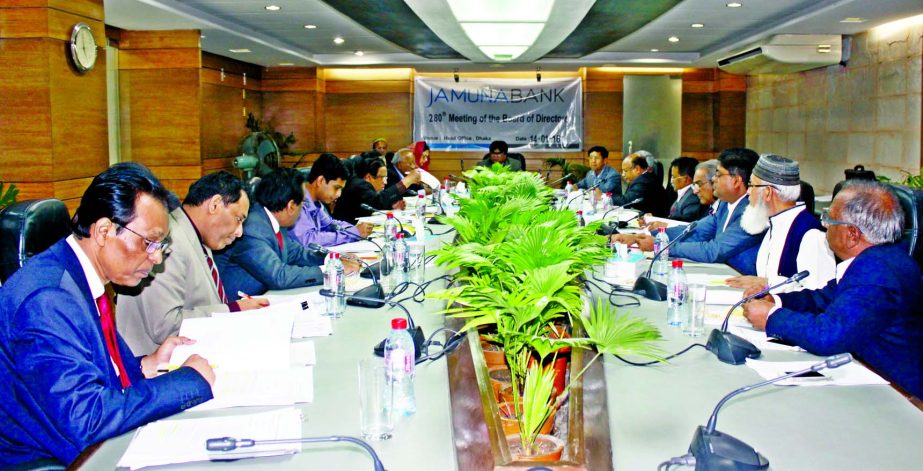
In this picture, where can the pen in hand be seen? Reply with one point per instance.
(244, 295)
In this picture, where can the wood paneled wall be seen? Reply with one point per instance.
(160, 104)
(230, 90)
(714, 112)
(52, 119)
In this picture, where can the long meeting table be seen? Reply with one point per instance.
(653, 411)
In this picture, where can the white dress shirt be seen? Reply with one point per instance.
(814, 254)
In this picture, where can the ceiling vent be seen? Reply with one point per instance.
(786, 54)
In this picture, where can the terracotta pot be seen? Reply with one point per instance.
(511, 425)
(500, 377)
(562, 360)
(493, 354)
(506, 394)
(551, 448)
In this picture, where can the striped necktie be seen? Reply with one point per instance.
(217, 279)
(107, 320)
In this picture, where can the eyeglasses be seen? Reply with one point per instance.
(827, 222)
(719, 175)
(150, 245)
(753, 185)
(701, 184)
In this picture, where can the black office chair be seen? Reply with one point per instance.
(807, 196)
(911, 200)
(27, 228)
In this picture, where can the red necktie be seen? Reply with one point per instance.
(215, 277)
(108, 323)
(279, 238)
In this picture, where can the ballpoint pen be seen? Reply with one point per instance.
(244, 295)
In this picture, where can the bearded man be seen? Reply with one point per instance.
(794, 239)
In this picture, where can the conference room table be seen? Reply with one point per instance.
(653, 411)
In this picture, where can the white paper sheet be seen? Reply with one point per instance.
(708, 280)
(760, 340)
(312, 324)
(357, 246)
(261, 388)
(851, 374)
(303, 353)
(183, 441)
(668, 222)
(724, 296)
(252, 341)
(428, 179)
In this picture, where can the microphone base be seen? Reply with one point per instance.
(435, 222)
(730, 348)
(608, 229)
(369, 271)
(374, 291)
(717, 451)
(418, 340)
(650, 289)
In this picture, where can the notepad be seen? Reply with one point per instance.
(850, 374)
(261, 388)
(251, 341)
(183, 441)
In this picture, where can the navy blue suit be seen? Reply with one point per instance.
(60, 392)
(873, 312)
(254, 263)
(688, 208)
(710, 242)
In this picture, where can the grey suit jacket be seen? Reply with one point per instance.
(181, 287)
(255, 264)
(688, 208)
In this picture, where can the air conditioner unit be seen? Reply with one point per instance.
(786, 54)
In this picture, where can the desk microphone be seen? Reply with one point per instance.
(714, 450)
(456, 178)
(565, 177)
(379, 211)
(374, 291)
(416, 332)
(733, 349)
(229, 444)
(653, 289)
(579, 194)
(610, 228)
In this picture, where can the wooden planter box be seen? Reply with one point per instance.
(479, 440)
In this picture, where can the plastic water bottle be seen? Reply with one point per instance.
(569, 187)
(677, 295)
(399, 362)
(400, 268)
(390, 227)
(419, 220)
(580, 221)
(661, 266)
(335, 281)
(607, 201)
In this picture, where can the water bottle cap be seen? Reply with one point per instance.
(334, 255)
(389, 216)
(442, 187)
(677, 264)
(421, 194)
(399, 323)
(608, 193)
(580, 212)
(400, 235)
(662, 229)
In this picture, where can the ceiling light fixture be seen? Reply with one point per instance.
(310, 26)
(239, 51)
(504, 30)
(273, 7)
(338, 40)
(697, 25)
(734, 5)
(823, 48)
(359, 53)
(655, 50)
(673, 39)
(853, 19)
(286, 64)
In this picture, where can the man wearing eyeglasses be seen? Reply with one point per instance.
(794, 239)
(67, 379)
(188, 284)
(871, 308)
(368, 187)
(497, 154)
(718, 238)
(687, 206)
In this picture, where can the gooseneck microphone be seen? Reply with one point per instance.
(565, 177)
(714, 450)
(224, 444)
(415, 331)
(373, 291)
(613, 227)
(733, 349)
(649, 287)
(379, 211)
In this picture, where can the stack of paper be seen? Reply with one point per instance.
(308, 311)
(183, 441)
(759, 339)
(261, 388)
(850, 374)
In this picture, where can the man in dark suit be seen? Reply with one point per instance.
(871, 308)
(67, 378)
(642, 183)
(265, 257)
(497, 154)
(687, 206)
(368, 187)
(403, 164)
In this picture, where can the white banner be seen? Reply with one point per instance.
(528, 115)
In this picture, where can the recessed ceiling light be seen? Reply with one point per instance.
(655, 50)
(852, 19)
(734, 5)
(673, 39)
(239, 51)
(310, 26)
(338, 40)
(286, 63)
(273, 7)
(359, 53)
(697, 25)
(202, 36)
(823, 48)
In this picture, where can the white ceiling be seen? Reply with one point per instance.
(280, 37)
